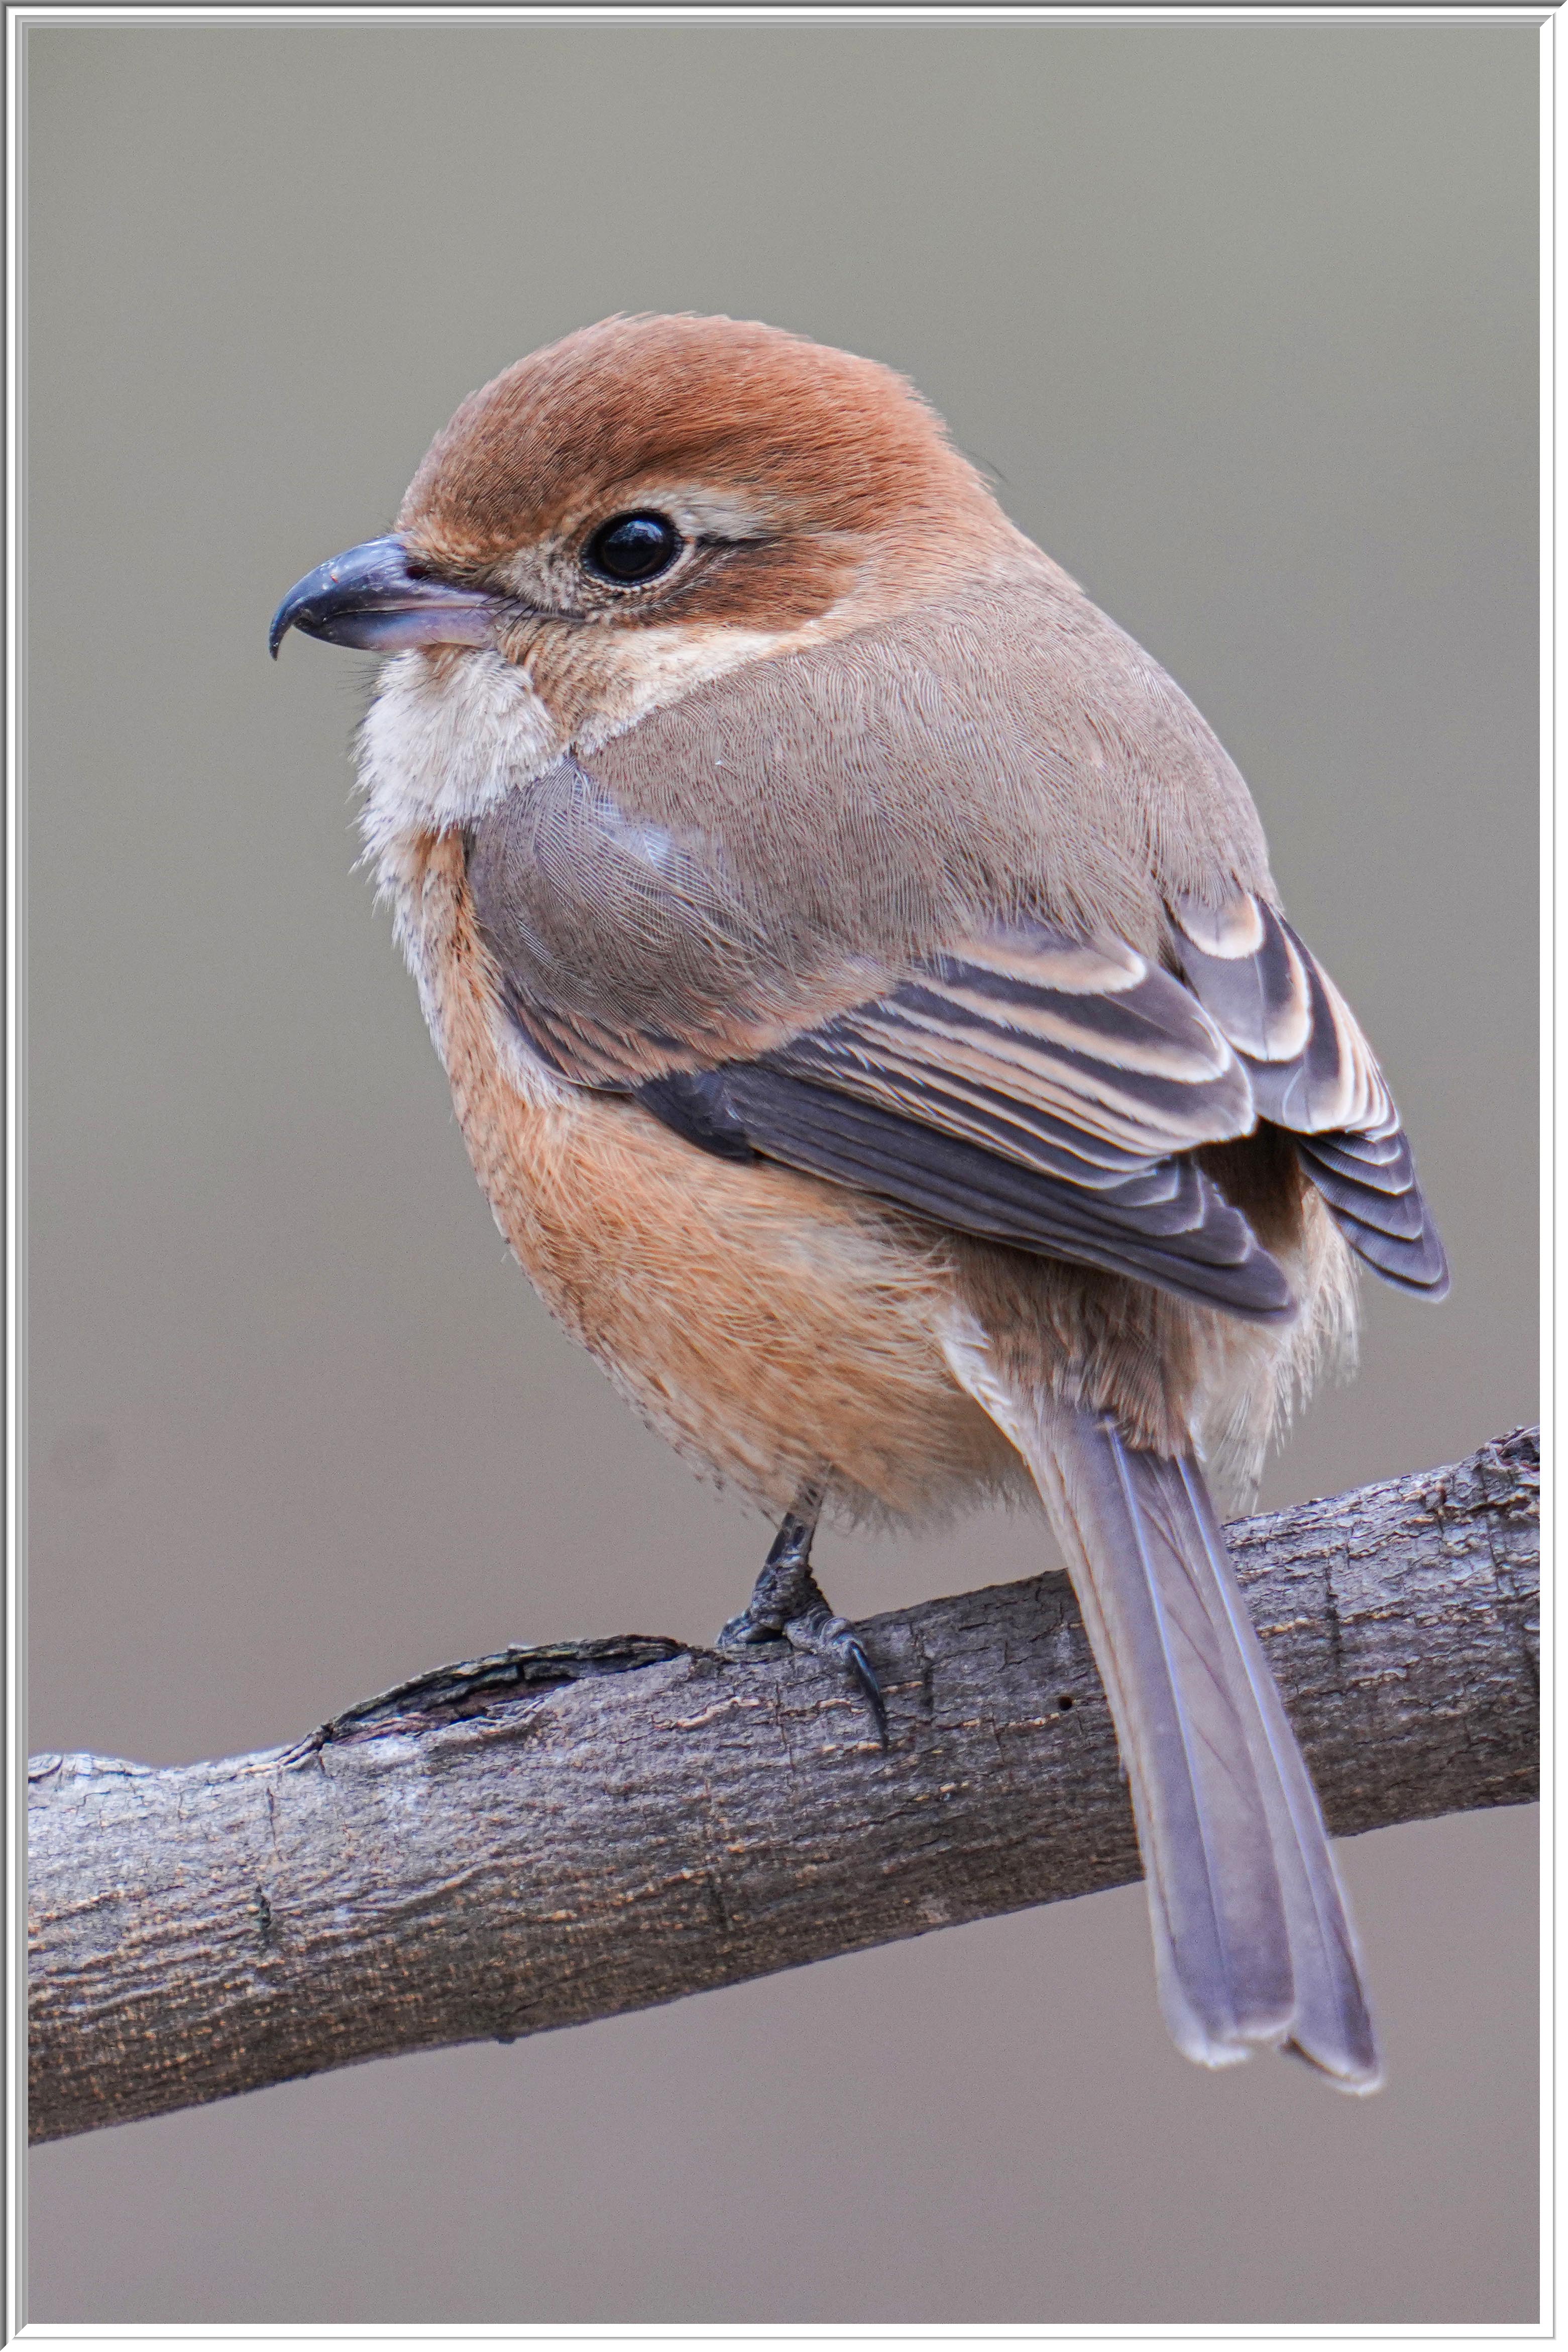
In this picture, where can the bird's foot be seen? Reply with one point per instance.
(787, 1604)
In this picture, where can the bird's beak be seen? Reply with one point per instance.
(370, 598)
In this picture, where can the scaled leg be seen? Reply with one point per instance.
(787, 1604)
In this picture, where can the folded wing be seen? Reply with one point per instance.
(1037, 1090)
(1312, 1072)
(1021, 1083)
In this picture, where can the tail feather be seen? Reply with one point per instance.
(1222, 1937)
(1332, 2028)
(1253, 1944)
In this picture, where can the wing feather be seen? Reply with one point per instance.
(1312, 1072)
(1191, 1242)
(1000, 1094)
(1022, 1082)
(1134, 1075)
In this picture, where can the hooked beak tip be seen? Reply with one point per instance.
(370, 598)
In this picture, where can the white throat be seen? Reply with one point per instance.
(445, 738)
(441, 742)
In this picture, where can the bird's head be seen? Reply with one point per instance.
(647, 504)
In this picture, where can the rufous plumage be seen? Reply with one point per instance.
(871, 1014)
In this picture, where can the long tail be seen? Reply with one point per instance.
(1252, 1943)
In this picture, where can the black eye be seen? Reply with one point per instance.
(633, 547)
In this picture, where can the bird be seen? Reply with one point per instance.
(871, 1014)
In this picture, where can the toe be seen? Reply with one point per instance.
(745, 1632)
(826, 1636)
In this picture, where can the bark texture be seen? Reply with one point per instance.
(552, 1836)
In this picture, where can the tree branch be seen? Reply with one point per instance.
(554, 1835)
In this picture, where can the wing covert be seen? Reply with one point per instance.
(1018, 1080)
(1044, 1090)
(1312, 1073)
(1023, 1086)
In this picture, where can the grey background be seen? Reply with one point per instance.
(1242, 316)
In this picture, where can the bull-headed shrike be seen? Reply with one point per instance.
(870, 1013)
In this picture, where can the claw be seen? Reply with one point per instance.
(788, 1605)
(827, 1637)
(865, 1675)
